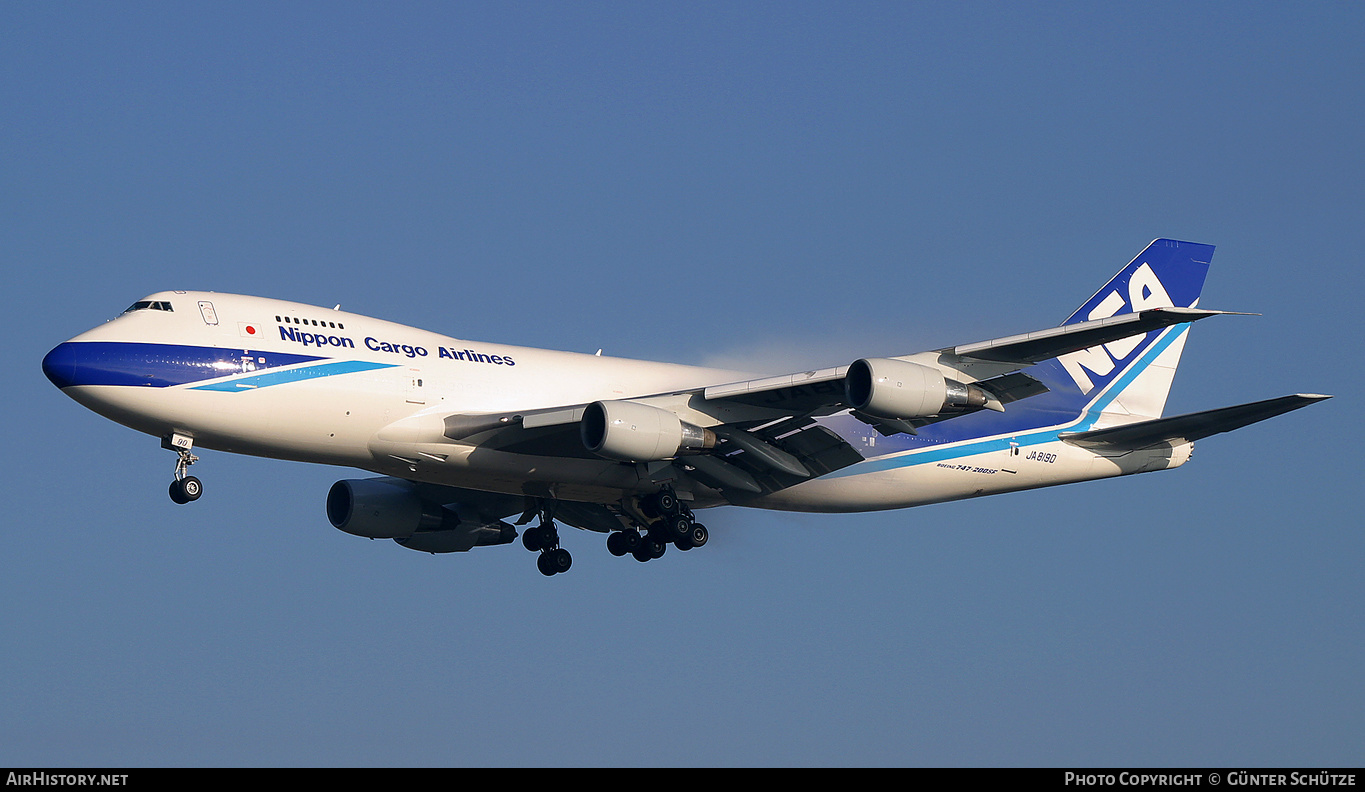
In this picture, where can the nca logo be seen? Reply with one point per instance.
(1144, 292)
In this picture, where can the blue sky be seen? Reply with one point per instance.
(772, 185)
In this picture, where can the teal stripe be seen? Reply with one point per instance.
(1086, 421)
(270, 378)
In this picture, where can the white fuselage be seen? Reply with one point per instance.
(376, 396)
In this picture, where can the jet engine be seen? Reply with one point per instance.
(390, 508)
(637, 432)
(889, 388)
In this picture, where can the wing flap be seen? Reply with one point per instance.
(771, 457)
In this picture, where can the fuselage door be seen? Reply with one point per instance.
(206, 311)
(414, 385)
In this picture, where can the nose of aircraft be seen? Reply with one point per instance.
(79, 362)
(99, 363)
(60, 365)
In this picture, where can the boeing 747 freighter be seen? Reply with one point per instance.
(473, 440)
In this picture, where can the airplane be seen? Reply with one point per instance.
(466, 435)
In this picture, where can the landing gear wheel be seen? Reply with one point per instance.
(661, 504)
(552, 562)
(699, 535)
(652, 546)
(678, 527)
(541, 537)
(621, 543)
(192, 488)
(696, 537)
(186, 489)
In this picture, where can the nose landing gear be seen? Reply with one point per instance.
(184, 488)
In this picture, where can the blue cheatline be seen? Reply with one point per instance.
(271, 378)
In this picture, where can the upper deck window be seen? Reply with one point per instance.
(149, 305)
(312, 322)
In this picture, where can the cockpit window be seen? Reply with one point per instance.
(149, 305)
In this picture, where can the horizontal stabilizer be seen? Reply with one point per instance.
(1190, 427)
(1028, 348)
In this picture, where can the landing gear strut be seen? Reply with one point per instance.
(184, 488)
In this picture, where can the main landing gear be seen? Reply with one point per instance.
(544, 538)
(672, 523)
(667, 521)
(184, 488)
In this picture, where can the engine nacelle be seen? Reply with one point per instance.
(390, 508)
(898, 389)
(637, 432)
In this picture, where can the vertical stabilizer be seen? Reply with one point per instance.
(1132, 376)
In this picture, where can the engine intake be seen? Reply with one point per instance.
(889, 388)
(637, 432)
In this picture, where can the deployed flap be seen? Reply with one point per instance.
(1190, 427)
(1012, 387)
(1029, 348)
(773, 456)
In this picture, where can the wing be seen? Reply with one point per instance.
(1029, 348)
(758, 436)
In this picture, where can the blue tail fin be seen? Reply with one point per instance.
(1167, 273)
(1132, 376)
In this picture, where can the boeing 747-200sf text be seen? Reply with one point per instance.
(468, 435)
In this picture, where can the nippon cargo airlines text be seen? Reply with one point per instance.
(407, 350)
(477, 444)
